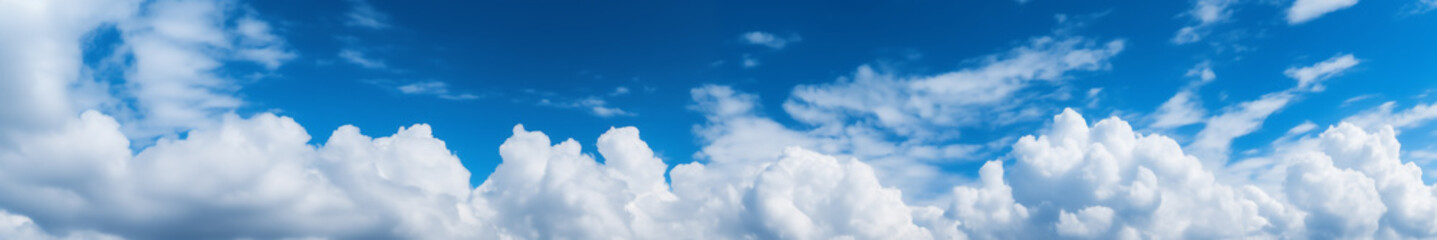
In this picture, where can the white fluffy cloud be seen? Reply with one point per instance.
(42, 53)
(71, 174)
(1078, 180)
(1306, 10)
(21, 227)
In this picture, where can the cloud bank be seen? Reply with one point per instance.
(68, 169)
(257, 177)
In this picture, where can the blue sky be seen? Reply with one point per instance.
(511, 55)
(984, 119)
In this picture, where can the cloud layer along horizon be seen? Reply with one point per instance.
(69, 168)
(1078, 180)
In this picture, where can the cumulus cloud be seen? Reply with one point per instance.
(21, 227)
(174, 49)
(41, 60)
(1306, 10)
(72, 174)
(1078, 180)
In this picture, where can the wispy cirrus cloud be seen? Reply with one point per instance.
(768, 39)
(593, 104)
(1204, 15)
(1311, 77)
(1302, 11)
(357, 57)
(69, 170)
(1214, 142)
(431, 88)
(366, 16)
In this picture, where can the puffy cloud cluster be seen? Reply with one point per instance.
(1106, 181)
(253, 177)
(257, 177)
(42, 53)
(169, 55)
(69, 174)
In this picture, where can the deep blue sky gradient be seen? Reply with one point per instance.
(515, 52)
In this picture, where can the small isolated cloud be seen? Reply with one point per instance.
(749, 61)
(1185, 107)
(1302, 128)
(1358, 98)
(768, 39)
(356, 57)
(594, 105)
(436, 89)
(1306, 10)
(1204, 14)
(619, 91)
(1312, 76)
(364, 15)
